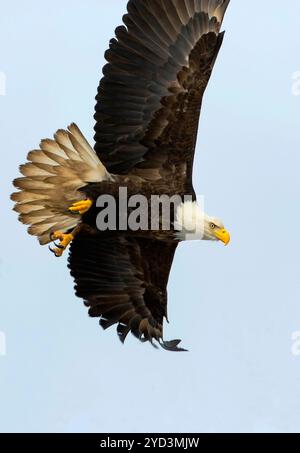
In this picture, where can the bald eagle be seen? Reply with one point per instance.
(147, 115)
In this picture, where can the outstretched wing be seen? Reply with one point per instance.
(123, 280)
(149, 100)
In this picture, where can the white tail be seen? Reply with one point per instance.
(52, 178)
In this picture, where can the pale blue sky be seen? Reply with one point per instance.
(235, 308)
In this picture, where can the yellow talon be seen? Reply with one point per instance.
(65, 240)
(81, 207)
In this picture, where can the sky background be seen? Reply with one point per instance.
(235, 308)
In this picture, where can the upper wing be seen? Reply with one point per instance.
(158, 67)
(123, 280)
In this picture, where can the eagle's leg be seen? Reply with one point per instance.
(81, 207)
(65, 240)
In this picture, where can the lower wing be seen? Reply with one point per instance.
(123, 281)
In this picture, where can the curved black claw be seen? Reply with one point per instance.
(61, 247)
(53, 251)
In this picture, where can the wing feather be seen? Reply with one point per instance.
(123, 281)
(158, 68)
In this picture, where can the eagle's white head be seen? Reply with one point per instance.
(192, 223)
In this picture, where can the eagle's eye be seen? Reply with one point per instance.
(212, 226)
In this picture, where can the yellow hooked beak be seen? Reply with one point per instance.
(223, 236)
